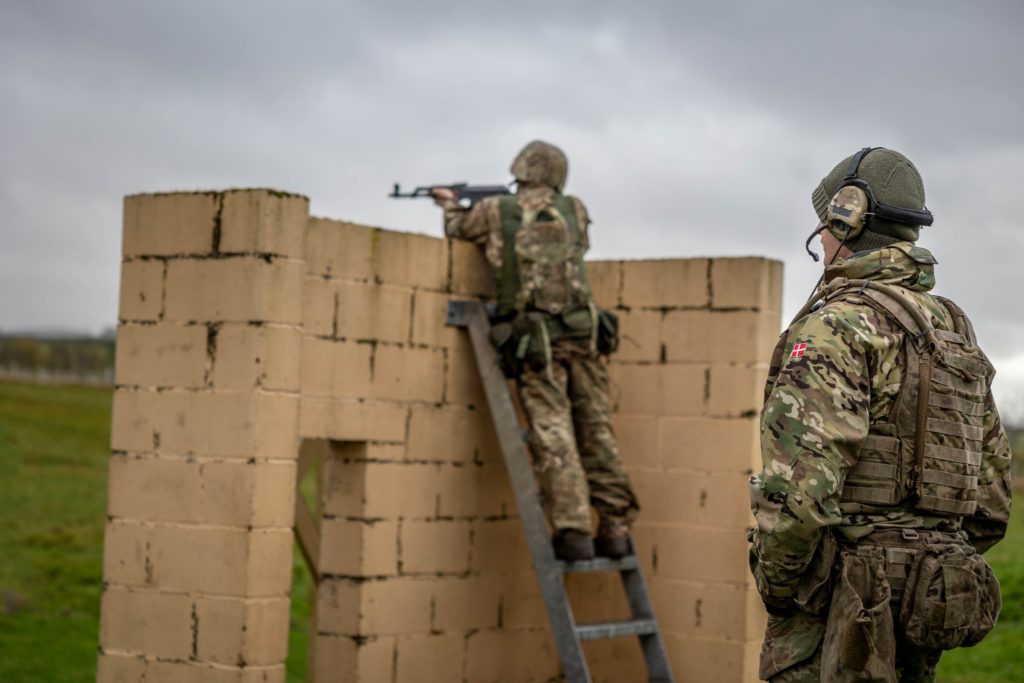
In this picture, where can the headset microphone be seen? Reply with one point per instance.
(807, 244)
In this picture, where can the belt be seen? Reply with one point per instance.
(899, 547)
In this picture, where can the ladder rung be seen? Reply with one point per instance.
(601, 564)
(616, 629)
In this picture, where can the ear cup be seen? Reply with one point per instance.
(847, 211)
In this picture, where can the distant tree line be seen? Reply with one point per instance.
(88, 357)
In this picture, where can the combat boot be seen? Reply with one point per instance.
(573, 545)
(612, 539)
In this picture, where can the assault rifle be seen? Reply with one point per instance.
(469, 194)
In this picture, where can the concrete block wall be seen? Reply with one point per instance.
(331, 332)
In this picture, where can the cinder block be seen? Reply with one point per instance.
(428, 325)
(373, 312)
(339, 659)
(463, 385)
(437, 656)
(471, 274)
(239, 289)
(637, 437)
(431, 429)
(394, 490)
(720, 336)
(467, 603)
(706, 660)
(597, 597)
(225, 424)
(120, 668)
(339, 249)
(474, 491)
(195, 672)
(736, 390)
(499, 547)
(264, 222)
(320, 306)
(617, 660)
(714, 445)
(142, 290)
(163, 355)
(665, 389)
(409, 260)
(352, 420)
(751, 282)
(396, 606)
(521, 602)
(498, 656)
(665, 284)
(249, 356)
(146, 622)
(435, 547)
(356, 548)
(337, 610)
(408, 374)
(605, 282)
(237, 562)
(235, 632)
(722, 557)
(169, 224)
(641, 336)
(718, 501)
(756, 618)
(339, 369)
(701, 610)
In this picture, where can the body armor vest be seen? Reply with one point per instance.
(542, 264)
(928, 452)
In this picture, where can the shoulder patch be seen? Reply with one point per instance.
(799, 350)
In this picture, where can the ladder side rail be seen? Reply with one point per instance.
(520, 472)
(652, 644)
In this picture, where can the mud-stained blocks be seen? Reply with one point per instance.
(197, 559)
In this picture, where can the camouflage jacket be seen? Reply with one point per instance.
(820, 401)
(482, 223)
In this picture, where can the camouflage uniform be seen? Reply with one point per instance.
(836, 375)
(566, 396)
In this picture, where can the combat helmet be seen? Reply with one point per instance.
(542, 163)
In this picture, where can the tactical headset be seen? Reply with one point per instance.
(854, 205)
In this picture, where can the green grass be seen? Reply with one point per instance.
(53, 468)
(54, 446)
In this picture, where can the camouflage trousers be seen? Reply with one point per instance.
(574, 451)
(912, 666)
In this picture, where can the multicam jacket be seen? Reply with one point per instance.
(535, 241)
(836, 373)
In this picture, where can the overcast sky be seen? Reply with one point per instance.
(691, 128)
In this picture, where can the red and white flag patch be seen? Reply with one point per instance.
(799, 349)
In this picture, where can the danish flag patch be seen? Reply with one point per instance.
(799, 349)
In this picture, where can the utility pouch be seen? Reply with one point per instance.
(952, 598)
(504, 341)
(860, 640)
(533, 341)
(607, 332)
(578, 323)
(815, 587)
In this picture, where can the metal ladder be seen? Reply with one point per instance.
(550, 571)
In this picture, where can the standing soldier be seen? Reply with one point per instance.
(552, 338)
(885, 466)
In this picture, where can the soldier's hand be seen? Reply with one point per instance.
(442, 195)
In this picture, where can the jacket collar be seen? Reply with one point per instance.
(903, 263)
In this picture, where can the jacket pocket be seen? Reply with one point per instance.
(952, 598)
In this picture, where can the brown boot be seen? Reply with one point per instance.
(573, 545)
(613, 539)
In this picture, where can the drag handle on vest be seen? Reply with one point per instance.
(465, 194)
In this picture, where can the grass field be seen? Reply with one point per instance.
(53, 460)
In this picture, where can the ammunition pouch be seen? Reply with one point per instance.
(952, 598)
